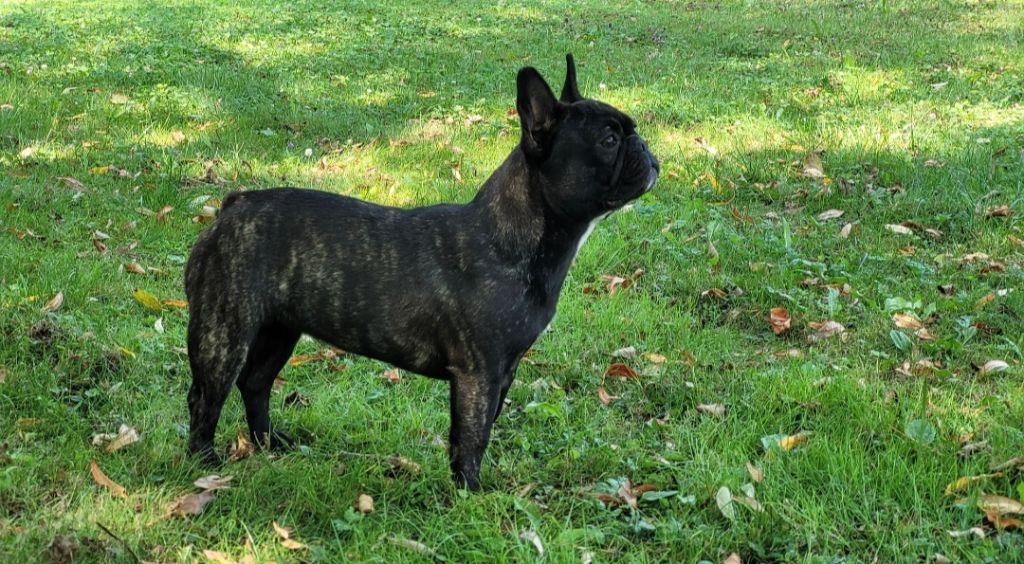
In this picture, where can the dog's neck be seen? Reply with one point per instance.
(524, 228)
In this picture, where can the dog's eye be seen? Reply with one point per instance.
(610, 142)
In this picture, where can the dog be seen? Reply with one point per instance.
(456, 292)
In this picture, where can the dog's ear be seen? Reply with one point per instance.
(538, 111)
(570, 92)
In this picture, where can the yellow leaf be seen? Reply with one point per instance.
(175, 303)
(963, 483)
(790, 442)
(149, 301)
(99, 170)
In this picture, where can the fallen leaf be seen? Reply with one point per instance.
(27, 152)
(779, 319)
(364, 504)
(973, 531)
(457, 174)
(414, 546)
(974, 257)
(620, 370)
(219, 557)
(117, 490)
(824, 330)
(790, 442)
(100, 245)
(1015, 462)
(965, 482)
(624, 352)
(125, 436)
(72, 183)
(1015, 240)
(158, 325)
(1003, 522)
(654, 358)
(899, 229)
(812, 166)
(392, 376)
(732, 559)
(191, 504)
(993, 366)
(175, 303)
(830, 214)
(403, 464)
(240, 448)
(999, 505)
(970, 449)
(997, 211)
(845, 231)
(118, 98)
(534, 539)
(749, 502)
(723, 498)
(615, 283)
(149, 301)
(700, 142)
(135, 268)
(177, 136)
(716, 409)
(286, 540)
(604, 397)
(934, 163)
(626, 493)
(756, 474)
(984, 300)
(907, 321)
(214, 482)
(162, 214)
(54, 304)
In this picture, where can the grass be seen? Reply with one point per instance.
(916, 108)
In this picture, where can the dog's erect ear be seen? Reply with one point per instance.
(538, 110)
(570, 92)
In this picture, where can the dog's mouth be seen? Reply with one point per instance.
(652, 178)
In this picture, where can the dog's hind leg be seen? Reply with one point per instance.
(269, 353)
(217, 352)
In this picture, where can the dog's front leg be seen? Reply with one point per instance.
(474, 401)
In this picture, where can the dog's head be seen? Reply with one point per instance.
(588, 158)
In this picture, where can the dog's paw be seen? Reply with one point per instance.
(275, 441)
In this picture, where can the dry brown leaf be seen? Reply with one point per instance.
(620, 370)
(219, 557)
(993, 366)
(779, 319)
(845, 231)
(999, 504)
(240, 448)
(1015, 240)
(627, 494)
(732, 559)
(716, 409)
(756, 474)
(214, 482)
(117, 490)
(604, 397)
(824, 330)
(125, 436)
(1015, 462)
(812, 167)
(403, 464)
(119, 98)
(907, 321)
(830, 214)
(924, 334)
(749, 502)
(175, 303)
(134, 268)
(286, 540)
(998, 211)
(162, 214)
(73, 183)
(412, 545)
(54, 304)
(700, 142)
(191, 504)
(974, 257)
(984, 300)
(392, 376)
(1003, 522)
(364, 504)
(177, 136)
(614, 283)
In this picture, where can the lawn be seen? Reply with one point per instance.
(849, 174)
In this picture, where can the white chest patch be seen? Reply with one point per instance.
(586, 234)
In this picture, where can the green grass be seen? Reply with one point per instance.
(382, 93)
